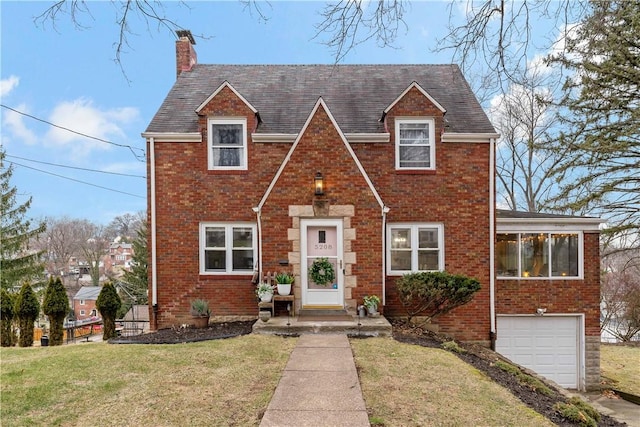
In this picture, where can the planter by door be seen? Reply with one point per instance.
(266, 297)
(200, 322)
(284, 289)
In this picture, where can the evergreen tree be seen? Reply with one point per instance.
(56, 307)
(7, 314)
(137, 279)
(108, 304)
(27, 311)
(17, 262)
(604, 121)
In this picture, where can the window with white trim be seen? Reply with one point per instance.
(415, 144)
(539, 255)
(82, 302)
(227, 248)
(82, 312)
(227, 143)
(415, 247)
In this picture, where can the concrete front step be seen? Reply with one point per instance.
(316, 312)
(359, 326)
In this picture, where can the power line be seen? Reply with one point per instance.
(77, 180)
(77, 168)
(139, 157)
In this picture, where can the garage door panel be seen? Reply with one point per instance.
(548, 345)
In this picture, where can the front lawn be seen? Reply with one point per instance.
(620, 367)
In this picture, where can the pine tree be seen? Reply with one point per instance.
(56, 307)
(108, 304)
(137, 279)
(27, 311)
(17, 262)
(8, 336)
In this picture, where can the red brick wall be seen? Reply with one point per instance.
(455, 194)
(558, 296)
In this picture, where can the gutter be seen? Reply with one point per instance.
(385, 211)
(492, 238)
(258, 211)
(154, 273)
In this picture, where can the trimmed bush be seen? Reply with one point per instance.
(432, 294)
(525, 379)
(56, 307)
(578, 411)
(8, 336)
(27, 311)
(108, 303)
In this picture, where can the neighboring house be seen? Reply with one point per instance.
(119, 256)
(382, 169)
(84, 302)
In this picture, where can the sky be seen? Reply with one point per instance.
(71, 117)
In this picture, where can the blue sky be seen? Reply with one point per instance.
(67, 76)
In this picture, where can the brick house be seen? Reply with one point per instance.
(383, 170)
(84, 302)
(119, 257)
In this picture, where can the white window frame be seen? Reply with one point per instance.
(432, 139)
(549, 233)
(82, 312)
(227, 121)
(414, 227)
(228, 234)
(82, 302)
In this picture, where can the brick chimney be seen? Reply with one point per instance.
(186, 56)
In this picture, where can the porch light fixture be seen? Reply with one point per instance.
(318, 184)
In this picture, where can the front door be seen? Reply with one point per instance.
(321, 240)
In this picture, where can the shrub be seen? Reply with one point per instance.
(453, 347)
(27, 311)
(8, 336)
(56, 307)
(108, 303)
(525, 379)
(433, 294)
(578, 411)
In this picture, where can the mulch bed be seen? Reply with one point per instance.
(479, 357)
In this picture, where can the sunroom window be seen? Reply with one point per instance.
(227, 143)
(529, 255)
(227, 248)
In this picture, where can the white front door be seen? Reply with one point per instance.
(321, 239)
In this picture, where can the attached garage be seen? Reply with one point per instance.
(550, 345)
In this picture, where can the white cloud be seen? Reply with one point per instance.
(7, 85)
(13, 123)
(82, 116)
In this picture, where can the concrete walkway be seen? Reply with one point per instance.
(319, 386)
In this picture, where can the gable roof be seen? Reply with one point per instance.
(320, 103)
(284, 94)
(88, 293)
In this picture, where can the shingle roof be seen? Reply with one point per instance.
(284, 95)
(505, 213)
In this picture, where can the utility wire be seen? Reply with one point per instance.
(77, 168)
(139, 157)
(77, 180)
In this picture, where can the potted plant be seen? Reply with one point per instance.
(284, 281)
(372, 302)
(200, 312)
(264, 292)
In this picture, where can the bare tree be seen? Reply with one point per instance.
(63, 240)
(620, 296)
(93, 251)
(126, 226)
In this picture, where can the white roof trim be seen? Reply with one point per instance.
(351, 137)
(217, 91)
(468, 137)
(424, 92)
(319, 103)
(547, 224)
(173, 136)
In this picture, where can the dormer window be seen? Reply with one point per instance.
(415, 143)
(227, 144)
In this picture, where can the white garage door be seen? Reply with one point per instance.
(548, 345)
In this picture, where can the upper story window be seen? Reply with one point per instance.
(227, 248)
(415, 144)
(539, 255)
(415, 247)
(227, 144)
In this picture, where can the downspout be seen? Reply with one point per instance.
(154, 273)
(385, 210)
(258, 211)
(492, 238)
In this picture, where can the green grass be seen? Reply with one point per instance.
(620, 367)
(406, 385)
(224, 382)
